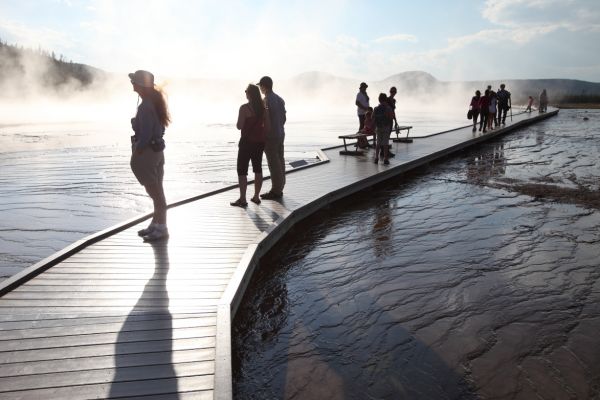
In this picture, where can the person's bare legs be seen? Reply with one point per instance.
(258, 179)
(243, 181)
(157, 194)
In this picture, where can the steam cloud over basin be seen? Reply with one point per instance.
(453, 282)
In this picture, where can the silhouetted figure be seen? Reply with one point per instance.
(543, 101)
(474, 108)
(251, 121)
(384, 117)
(529, 104)
(484, 103)
(492, 109)
(147, 145)
(504, 103)
(275, 136)
(362, 104)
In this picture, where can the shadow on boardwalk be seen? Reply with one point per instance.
(146, 339)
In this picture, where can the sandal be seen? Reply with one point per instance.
(239, 203)
(255, 201)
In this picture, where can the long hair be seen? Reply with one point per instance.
(158, 98)
(255, 100)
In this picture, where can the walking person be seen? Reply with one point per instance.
(492, 109)
(275, 136)
(504, 103)
(529, 104)
(474, 107)
(384, 117)
(362, 104)
(484, 103)
(251, 122)
(147, 150)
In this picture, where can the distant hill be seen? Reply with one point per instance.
(24, 70)
(420, 84)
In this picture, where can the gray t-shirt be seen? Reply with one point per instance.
(276, 107)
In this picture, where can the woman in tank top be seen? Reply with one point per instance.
(251, 121)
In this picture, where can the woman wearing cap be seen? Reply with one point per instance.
(251, 121)
(147, 145)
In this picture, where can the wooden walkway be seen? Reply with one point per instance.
(121, 318)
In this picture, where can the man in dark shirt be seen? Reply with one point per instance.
(504, 103)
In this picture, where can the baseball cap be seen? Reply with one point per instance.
(142, 78)
(265, 81)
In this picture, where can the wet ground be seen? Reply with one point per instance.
(474, 278)
(63, 181)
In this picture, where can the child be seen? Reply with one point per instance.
(529, 104)
(368, 129)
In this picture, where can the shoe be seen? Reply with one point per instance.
(271, 196)
(238, 203)
(156, 235)
(255, 201)
(146, 231)
(376, 160)
(390, 154)
(386, 162)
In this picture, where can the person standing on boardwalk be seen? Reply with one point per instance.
(529, 104)
(275, 136)
(251, 121)
(147, 145)
(484, 103)
(492, 109)
(362, 104)
(384, 117)
(474, 106)
(504, 104)
(543, 101)
(392, 103)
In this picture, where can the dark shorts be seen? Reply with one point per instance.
(249, 151)
(148, 167)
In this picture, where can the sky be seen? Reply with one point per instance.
(452, 40)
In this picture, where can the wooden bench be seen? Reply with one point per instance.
(356, 136)
(399, 129)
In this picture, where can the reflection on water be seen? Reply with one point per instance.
(451, 283)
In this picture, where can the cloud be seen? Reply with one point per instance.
(400, 37)
(581, 15)
(33, 37)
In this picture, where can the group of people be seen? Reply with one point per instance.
(490, 109)
(260, 120)
(378, 121)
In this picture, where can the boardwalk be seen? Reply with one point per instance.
(121, 318)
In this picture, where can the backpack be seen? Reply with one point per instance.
(380, 116)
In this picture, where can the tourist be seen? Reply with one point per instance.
(529, 104)
(362, 104)
(392, 103)
(384, 117)
(147, 145)
(368, 129)
(251, 122)
(504, 104)
(543, 101)
(275, 137)
(474, 108)
(484, 103)
(492, 109)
